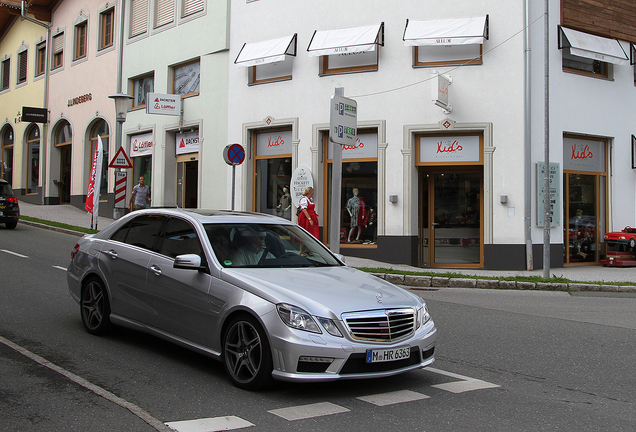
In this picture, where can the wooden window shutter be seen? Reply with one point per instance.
(22, 66)
(139, 17)
(6, 70)
(164, 12)
(192, 6)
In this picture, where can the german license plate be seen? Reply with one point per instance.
(385, 355)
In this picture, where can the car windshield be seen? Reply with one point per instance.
(5, 190)
(267, 245)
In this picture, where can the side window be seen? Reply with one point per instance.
(144, 231)
(180, 238)
(121, 234)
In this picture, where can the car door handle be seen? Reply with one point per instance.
(155, 269)
(111, 253)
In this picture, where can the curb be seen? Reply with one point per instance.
(424, 282)
(52, 228)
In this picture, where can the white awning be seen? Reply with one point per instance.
(452, 31)
(594, 47)
(349, 40)
(269, 51)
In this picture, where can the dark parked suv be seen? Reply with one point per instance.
(9, 208)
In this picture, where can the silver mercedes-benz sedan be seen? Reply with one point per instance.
(254, 291)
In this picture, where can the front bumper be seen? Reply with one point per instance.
(302, 356)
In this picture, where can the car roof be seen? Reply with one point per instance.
(218, 216)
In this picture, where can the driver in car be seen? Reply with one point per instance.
(252, 248)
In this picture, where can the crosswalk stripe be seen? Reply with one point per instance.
(466, 383)
(13, 253)
(390, 398)
(210, 424)
(60, 268)
(308, 411)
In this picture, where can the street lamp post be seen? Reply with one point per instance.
(121, 108)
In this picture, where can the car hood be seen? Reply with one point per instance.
(325, 291)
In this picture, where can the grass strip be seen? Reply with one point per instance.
(59, 225)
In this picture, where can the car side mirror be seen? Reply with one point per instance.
(188, 262)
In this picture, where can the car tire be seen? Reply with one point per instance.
(247, 356)
(95, 307)
(11, 225)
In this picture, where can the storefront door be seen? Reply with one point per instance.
(65, 174)
(450, 218)
(187, 182)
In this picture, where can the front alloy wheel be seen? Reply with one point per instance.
(95, 308)
(246, 354)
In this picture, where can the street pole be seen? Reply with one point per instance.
(547, 199)
(336, 191)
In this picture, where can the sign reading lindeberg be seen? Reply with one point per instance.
(35, 115)
(80, 99)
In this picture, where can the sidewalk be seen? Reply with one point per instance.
(73, 216)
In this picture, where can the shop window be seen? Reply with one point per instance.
(138, 18)
(106, 28)
(6, 74)
(359, 195)
(191, 7)
(100, 129)
(33, 160)
(6, 165)
(22, 66)
(164, 12)
(186, 79)
(348, 50)
(79, 51)
(272, 172)
(40, 59)
(446, 42)
(141, 87)
(58, 51)
(588, 54)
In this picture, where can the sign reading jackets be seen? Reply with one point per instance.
(187, 142)
(141, 145)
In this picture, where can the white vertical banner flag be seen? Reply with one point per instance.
(98, 177)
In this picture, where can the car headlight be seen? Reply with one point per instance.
(297, 318)
(422, 316)
(330, 326)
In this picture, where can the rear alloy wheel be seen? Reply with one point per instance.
(95, 308)
(246, 354)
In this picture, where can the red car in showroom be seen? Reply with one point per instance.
(621, 250)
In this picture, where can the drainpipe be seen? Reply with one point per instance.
(527, 138)
(46, 93)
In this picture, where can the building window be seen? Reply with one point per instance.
(141, 87)
(186, 79)
(80, 41)
(100, 129)
(164, 12)
(6, 165)
(192, 6)
(272, 172)
(588, 54)
(268, 60)
(40, 59)
(33, 160)
(58, 51)
(348, 50)
(359, 195)
(22, 66)
(106, 20)
(138, 17)
(6, 74)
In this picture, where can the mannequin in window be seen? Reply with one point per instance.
(284, 205)
(355, 207)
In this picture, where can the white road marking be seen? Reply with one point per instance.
(142, 414)
(307, 411)
(466, 383)
(13, 253)
(60, 268)
(390, 398)
(210, 424)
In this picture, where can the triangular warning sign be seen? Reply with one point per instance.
(120, 160)
(182, 144)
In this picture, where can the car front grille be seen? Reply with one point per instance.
(384, 325)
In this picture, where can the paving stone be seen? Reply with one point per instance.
(379, 275)
(395, 278)
(486, 283)
(526, 285)
(552, 286)
(439, 281)
(417, 281)
(462, 283)
(609, 288)
(504, 284)
(627, 288)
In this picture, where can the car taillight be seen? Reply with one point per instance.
(12, 200)
(74, 251)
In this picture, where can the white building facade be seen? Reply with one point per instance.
(452, 184)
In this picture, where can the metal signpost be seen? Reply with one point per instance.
(234, 154)
(343, 124)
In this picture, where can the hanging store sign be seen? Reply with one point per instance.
(141, 145)
(35, 115)
(166, 104)
(187, 142)
(273, 143)
(454, 149)
(301, 179)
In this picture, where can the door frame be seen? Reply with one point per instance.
(183, 159)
